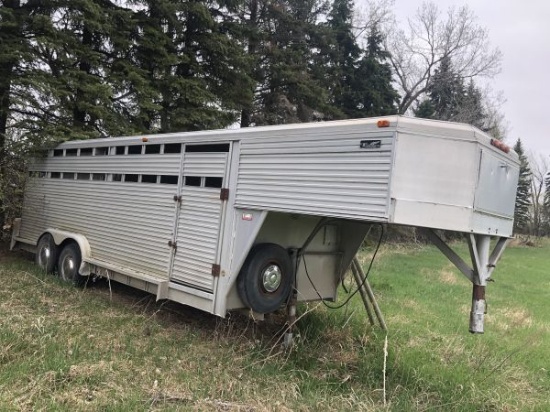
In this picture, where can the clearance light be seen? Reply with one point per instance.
(144, 139)
(383, 123)
(499, 145)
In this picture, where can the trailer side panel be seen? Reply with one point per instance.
(340, 173)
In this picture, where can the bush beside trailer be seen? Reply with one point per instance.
(238, 219)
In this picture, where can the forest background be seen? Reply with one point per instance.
(80, 69)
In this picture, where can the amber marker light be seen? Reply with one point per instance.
(499, 145)
(144, 139)
(383, 123)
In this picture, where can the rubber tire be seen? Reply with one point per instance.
(70, 275)
(46, 241)
(249, 281)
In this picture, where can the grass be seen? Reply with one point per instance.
(99, 349)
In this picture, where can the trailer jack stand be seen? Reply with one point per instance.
(291, 314)
(479, 307)
(292, 301)
(483, 264)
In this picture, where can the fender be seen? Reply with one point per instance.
(59, 236)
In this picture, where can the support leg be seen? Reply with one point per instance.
(483, 265)
(479, 252)
(292, 302)
(477, 314)
(370, 294)
(291, 314)
(362, 292)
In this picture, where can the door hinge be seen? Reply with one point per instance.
(177, 198)
(224, 194)
(173, 244)
(216, 270)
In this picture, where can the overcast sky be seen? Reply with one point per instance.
(521, 30)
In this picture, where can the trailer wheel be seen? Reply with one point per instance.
(265, 280)
(46, 253)
(69, 263)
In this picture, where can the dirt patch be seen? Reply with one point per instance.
(513, 318)
(7, 255)
(446, 275)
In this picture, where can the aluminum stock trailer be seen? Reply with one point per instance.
(243, 219)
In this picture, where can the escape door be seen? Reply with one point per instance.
(199, 216)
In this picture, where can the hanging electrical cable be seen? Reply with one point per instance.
(379, 243)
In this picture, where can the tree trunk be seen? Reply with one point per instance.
(79, 115)
(10, 38)
(246, 113)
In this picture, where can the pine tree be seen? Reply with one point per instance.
(283, 39)
(373, 80)
(80, 56)
(339, 60)
(20, 78)
(523, 194)
(471, 108)
(448, 99)
(192, 65)
(446, 92)
(358, 80)
(425, 110)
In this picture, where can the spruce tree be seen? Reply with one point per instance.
(285, 42)
(80, 57)
(21, 23)
(523, 194)
(193, 66)
(340, 60)
(446, 92)
(372, 84)
(471, 108)
(425, 109)
(448, 99)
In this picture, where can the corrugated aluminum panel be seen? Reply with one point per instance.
(199, 223)
(34, 210)
(318, 174)
(127, 224)
(205, 164)
(197, 240)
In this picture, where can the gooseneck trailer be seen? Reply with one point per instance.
(239, 219)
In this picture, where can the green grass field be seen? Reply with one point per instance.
(116, 349)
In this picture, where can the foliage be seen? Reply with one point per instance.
(523, 194)
(359, 79)
(373, 80)
(445, 91)
(283, 40)
(448, 99)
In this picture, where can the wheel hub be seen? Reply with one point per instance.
(67, 267)
(271, 278)
(45, 255)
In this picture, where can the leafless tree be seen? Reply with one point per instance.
(540, 167)
(371, 13)
(429, 37)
